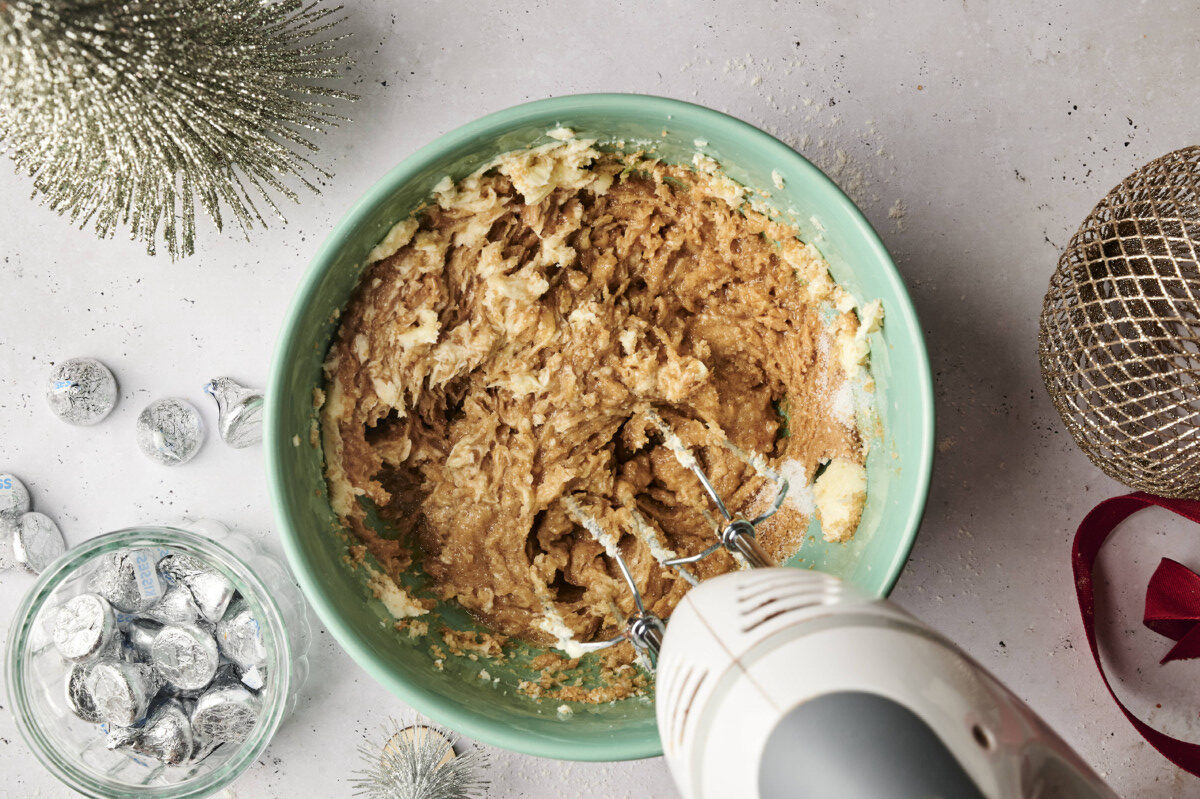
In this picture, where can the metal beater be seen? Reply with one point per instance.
(736, 534)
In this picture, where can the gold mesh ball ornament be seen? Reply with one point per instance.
(1120, 330)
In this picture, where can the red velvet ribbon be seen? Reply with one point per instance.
(1172, 604)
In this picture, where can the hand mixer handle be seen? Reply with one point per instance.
(907, 756)
(788, 683)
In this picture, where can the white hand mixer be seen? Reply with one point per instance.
(780, 682)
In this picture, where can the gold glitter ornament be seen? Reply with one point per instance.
(132, 113)
(1120, 330)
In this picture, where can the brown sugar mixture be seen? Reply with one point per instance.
(499, 356)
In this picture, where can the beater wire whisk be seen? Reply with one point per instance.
(738, 534)
(644, 629)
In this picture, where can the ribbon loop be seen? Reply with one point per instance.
(1172, 604)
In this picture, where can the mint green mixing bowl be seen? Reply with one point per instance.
(898, 467)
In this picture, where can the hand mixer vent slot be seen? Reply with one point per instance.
(776, 594)
(682, 688)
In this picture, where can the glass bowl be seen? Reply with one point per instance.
(74, 750)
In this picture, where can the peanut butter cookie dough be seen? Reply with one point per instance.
(503, 347)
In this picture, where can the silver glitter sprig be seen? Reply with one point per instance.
(133, 112)
(421, 764)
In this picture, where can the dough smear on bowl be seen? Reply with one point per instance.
(503, 347)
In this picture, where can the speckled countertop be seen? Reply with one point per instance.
(974, 137)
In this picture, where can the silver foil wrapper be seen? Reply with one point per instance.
(170, 431)
(79, 698)
(120, 737)
(210, 589)
(82, 391)
(7, 531)
(84, 626)
(239, 411)
(121, 649)
(14, 503)
(139, 637)
(14, 498)
(145, 663)
(129, 579)
(36, 542)
(122, 691)
(186, 657)
(225, 714)
(227, 674)
(165, 736)
(239, 636)
(177, 607)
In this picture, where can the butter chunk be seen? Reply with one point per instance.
(840, 492)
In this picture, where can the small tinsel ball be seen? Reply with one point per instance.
(1120, 330)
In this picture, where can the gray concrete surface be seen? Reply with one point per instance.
(975, 137)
